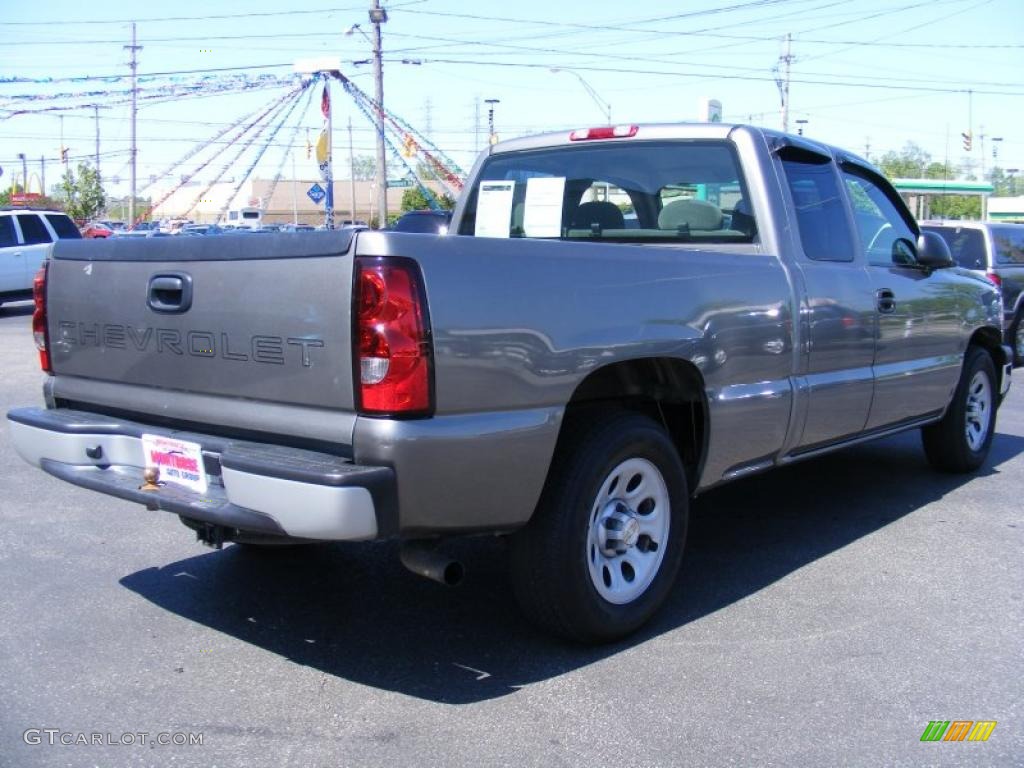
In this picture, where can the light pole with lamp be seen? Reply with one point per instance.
(24, 172)
(492, 137)
(378, 16)
(605, 107)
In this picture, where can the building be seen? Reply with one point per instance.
(1008, 209)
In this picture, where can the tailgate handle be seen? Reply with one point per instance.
(170, 292)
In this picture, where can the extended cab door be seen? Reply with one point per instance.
(36, 238)
(838, 306)
(918, 356)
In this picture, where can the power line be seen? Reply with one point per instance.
(121, 20)
(663, 73)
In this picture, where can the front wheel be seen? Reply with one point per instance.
(961, 441)
(605, 543)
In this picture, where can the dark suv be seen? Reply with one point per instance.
(433, 222)
(997, 251)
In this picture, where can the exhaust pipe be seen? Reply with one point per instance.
(422, 557)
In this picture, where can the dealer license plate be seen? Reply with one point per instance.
(180, 462)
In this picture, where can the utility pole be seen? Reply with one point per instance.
(96, 114)
(351, 173)
(476, 123)
(981, 135)
(786, 59)
(133, 152)
(295, 183)
(63, 149)
(379, 16)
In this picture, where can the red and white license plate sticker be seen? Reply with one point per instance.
(179, 461)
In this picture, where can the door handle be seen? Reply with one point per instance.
(885, 300)
(170, 293)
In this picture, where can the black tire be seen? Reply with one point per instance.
(1016, 339)
(947, 443)
(553, 557)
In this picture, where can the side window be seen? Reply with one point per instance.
(879, 222)
(33, 229)
(63, 226)
(820, 213)
(8, 237)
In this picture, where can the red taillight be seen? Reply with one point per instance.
(392, 344)
(39, 331)
(604, 132)
(995, 279)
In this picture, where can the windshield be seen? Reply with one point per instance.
(1008, 241)
(679, 191)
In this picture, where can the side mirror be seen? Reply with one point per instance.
(933, 252)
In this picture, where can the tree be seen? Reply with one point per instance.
(956, 207)
(413, 199)
(364, 167)
(910, 162)
(83, 197)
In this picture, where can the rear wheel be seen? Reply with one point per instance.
(961, 441)
(605, 543)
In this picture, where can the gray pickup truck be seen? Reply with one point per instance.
(621, 318)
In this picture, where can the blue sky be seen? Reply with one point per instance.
(868, 75)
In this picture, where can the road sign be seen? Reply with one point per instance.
(399, 182)
(316, 193)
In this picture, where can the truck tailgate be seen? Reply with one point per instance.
(261, 317)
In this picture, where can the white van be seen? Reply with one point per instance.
(248, 218)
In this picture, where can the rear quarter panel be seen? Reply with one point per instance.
(518, 325)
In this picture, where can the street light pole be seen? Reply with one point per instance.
(492, 137)
(24, 172)
(379, 16)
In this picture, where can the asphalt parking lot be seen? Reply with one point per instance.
(825, 614)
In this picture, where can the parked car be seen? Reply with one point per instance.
(995, 250)
(433, 222)
(25, 238)
(551, 374)
(96, 229)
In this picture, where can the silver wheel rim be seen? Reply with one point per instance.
(628, 531)
(979, 410)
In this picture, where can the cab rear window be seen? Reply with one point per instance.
(1008, 242)
(679, 191)
(967, 246)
